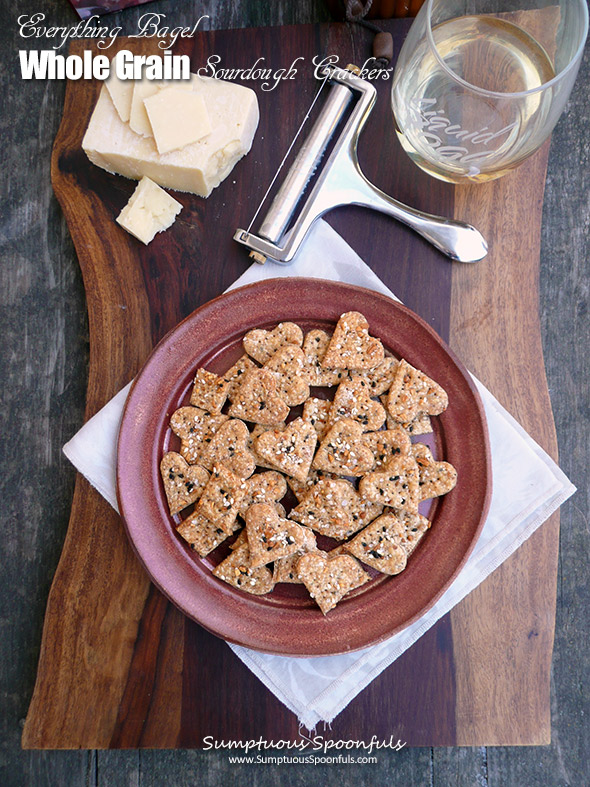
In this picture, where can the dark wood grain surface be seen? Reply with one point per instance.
(44, 362)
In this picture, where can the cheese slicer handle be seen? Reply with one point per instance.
(456, 239)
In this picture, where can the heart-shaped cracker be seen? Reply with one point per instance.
(380, 378)
(288, 367)
(202, 534)
(183, 483)
(257, 399)
(387, 444)
(285, 569)
(415, 525)
(353, 400)
(301, 488)
(270, 537)
(269, 487)
(317, 413)
(240, 539)
(233, 376)
(221, 498)
(420, 425)
(237, 570)
(327, 579)
(290, 449)
(436, 478)
(333, 508)
(229, 446)
(351, 347)
(395, 486)
(209, 391)
(262, 345)
(343, 450)
(315, 345)
(254, 435)
(195, 427)
(380, 545)
(412, 393)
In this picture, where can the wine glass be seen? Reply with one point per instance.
(479, 86)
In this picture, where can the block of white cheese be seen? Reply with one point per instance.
(150, 210)
(198, 167)
(121, 93)
(138, 119)
(141, 90)
(177, 118)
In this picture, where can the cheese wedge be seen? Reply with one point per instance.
(197, 167)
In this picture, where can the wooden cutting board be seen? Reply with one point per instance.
(119, 665)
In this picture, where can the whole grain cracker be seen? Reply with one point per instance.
(285, 569)
(290, 449)
(380, 378)
(379, 545)
(333, 508)
(436, 478)
(412, 393)
(222, 497)
(209, 391)
(301, 488)
(262, 345)
(183, 483)
(241, 538)
(203, 535)
(327, 579)
(254, 435)
(269, 487)
(315, 345)
(238, 571)
(288, 367)
(234, 375)
(270, 537)
(257, 399)
(415, 526)
(343, 450)
(230, 446)
(195, 427)
(395, 486)
(420, 425)
(353, 400)
(317, 413)
(351, 346)
(386, 444)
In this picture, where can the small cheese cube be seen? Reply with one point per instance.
(149, 210)
(177, 118)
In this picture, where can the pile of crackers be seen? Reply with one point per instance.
(349, 460)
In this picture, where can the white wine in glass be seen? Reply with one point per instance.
(474, 95)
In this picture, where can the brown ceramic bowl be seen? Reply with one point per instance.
(287, 621)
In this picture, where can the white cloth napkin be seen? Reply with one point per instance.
(528, 488)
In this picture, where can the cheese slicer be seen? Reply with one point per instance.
(340, 181)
